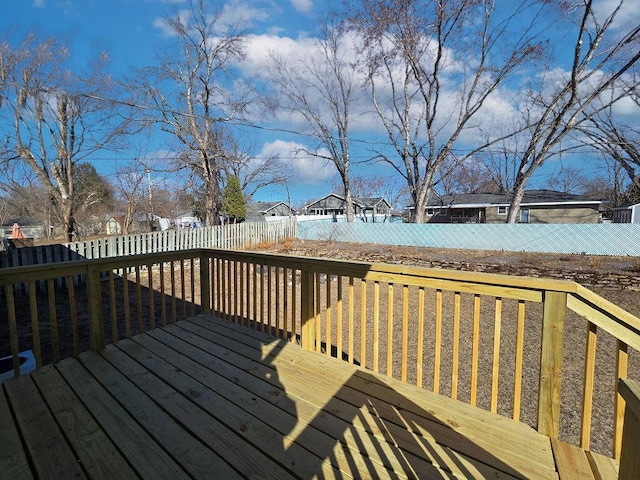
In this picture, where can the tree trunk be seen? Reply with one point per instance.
(349, 210)
(516, 200)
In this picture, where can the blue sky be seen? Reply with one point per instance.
(131, 32)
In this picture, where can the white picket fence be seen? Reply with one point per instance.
(239, 235)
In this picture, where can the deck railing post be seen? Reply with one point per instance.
(307, 311)
(554, 312)
(629, 459)
(205, 284)
(96, 318)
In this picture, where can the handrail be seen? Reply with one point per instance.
(344, 309)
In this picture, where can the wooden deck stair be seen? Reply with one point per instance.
(208, 399)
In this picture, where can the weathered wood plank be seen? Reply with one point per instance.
(95, 451)
(51, 455)
(142, 452)
(13, 461)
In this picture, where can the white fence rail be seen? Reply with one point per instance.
(225, 236)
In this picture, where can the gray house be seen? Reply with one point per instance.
(334, 204)
(261, 211)
(629, 213)
(538, 206)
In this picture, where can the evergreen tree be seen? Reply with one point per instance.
(234, 205)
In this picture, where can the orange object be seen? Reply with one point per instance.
(16, 232)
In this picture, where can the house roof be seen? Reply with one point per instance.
(361, 202)
(626, 206)
(264, 207)
(531, 197)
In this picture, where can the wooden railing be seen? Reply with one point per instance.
(517, 346)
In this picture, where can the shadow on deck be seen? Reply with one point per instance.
(208, 399)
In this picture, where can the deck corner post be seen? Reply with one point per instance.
(205, 284)
(629, 459)
(554, 313)
(307, 311)
(96, 317)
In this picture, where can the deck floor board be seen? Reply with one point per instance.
(206, 398)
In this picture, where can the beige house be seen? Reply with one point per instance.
(538, 206)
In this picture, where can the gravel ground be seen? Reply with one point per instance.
(607, 274)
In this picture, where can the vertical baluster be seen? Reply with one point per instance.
(456, 346)
(589, 377)
(622, 363)
(376, 326)
(517, 381)
(405, 331)
(53, 320)
(363, 323)
(495, 367)
(437, 349)
(475, 350)
(420, 338)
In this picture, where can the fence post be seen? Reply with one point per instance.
(555, 307)
(94, 296)
(307, 311)
(205, 284)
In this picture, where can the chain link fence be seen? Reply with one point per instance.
(617, 239)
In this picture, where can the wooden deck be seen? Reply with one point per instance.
(207, 399)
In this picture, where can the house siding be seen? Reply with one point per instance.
(582, 214)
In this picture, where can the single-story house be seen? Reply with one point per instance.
(261, 211)
(538, 206)
(334, 204)
(629, 213)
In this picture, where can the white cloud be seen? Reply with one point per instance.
(306, 169)
(233, 14)
(303, 6)
(239, 12)
(628, 14)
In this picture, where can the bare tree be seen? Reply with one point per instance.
(57, 120)
(253, 172)
(321, 89)
(431, 66)
(129, 186)
(604, 55)
(614, 138)
(191, 90)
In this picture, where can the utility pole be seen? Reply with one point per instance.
(148, 171)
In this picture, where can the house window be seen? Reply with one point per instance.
(430, 212)
(443, 211)
(502, 210)
(524, 215)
